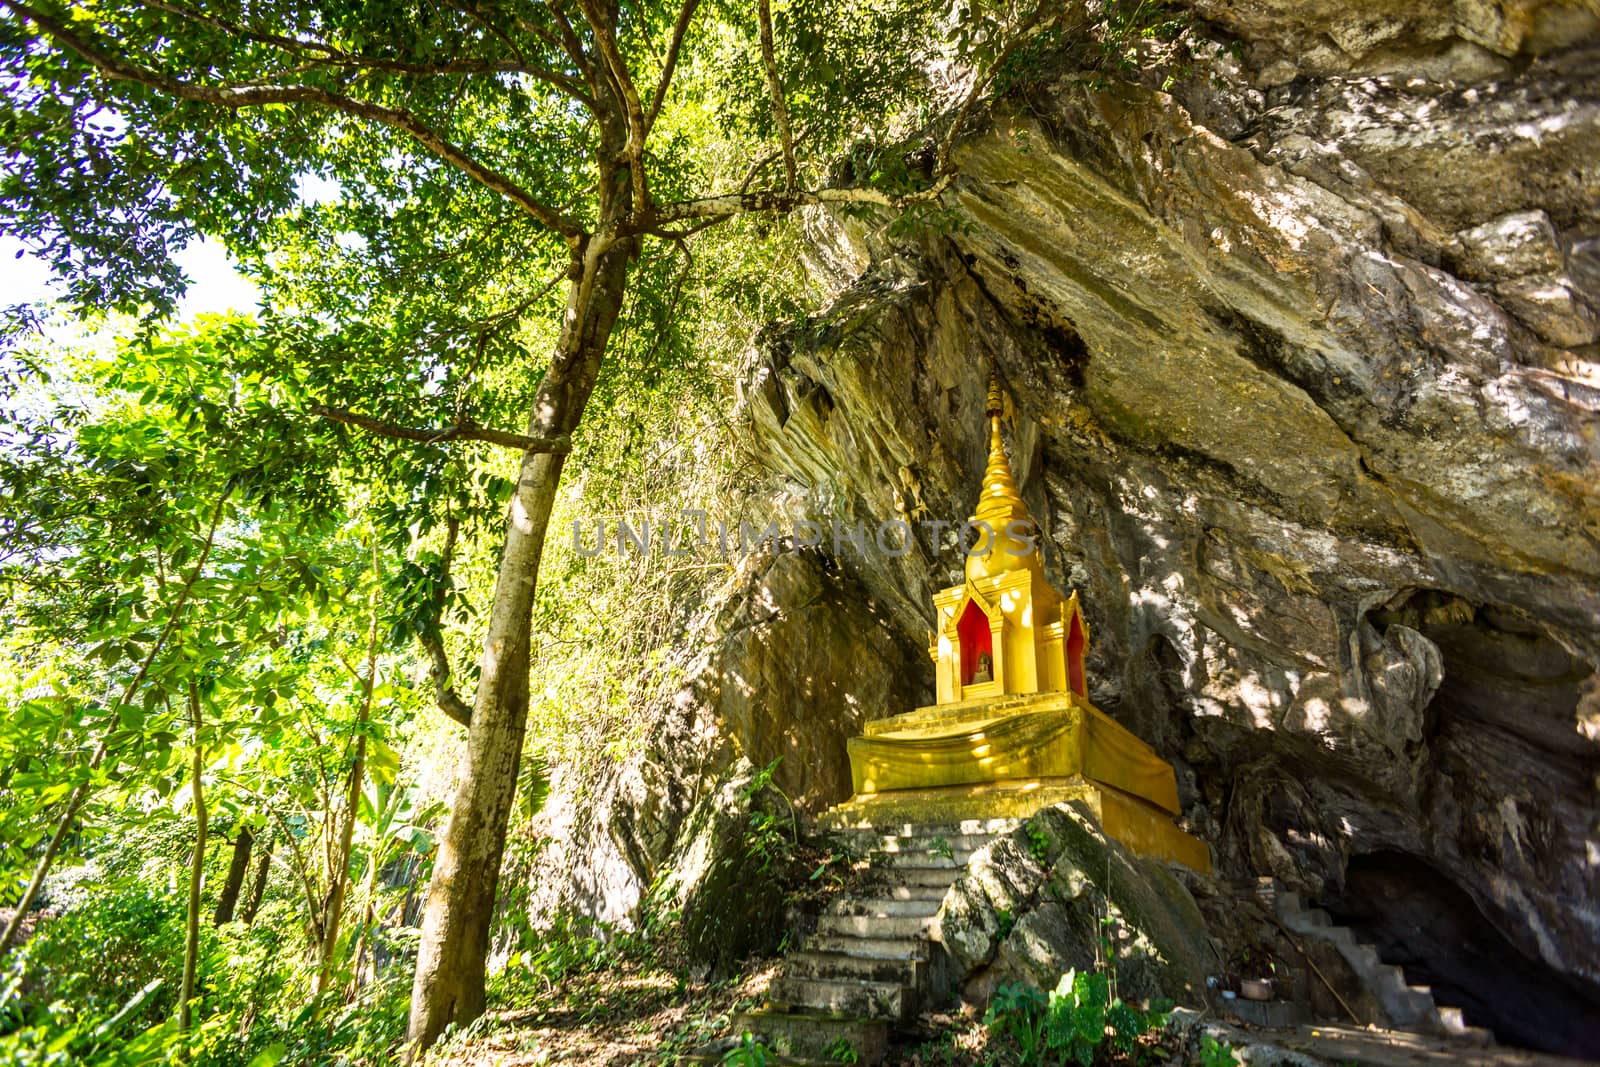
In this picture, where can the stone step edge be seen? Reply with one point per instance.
(1286, 905)
(895, 828)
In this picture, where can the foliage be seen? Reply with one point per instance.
(183, 585)
(1038, 841)
(840, 1050)
(766, 842)
(1140, 37)
(750, 1052)
(568, 946)
(1214, 1053)
(1078, 1022)
(78, 992)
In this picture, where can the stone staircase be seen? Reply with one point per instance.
(870, 965)
(1408, 1007)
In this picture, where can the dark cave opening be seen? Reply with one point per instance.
(1420, 920)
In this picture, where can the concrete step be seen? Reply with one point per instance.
(1391, 978)
(1274, 1013)
(815, 1036)
(920, 858)
(934, 893)
(885, 907)
(840, 966)
(872, 926)
(909, 875)
(873, 1000)
(1407, 1008)
(1365, 958)
(991, 827)
(1341, 937)
(1456, 1025)
(922, 842)
(869, 947)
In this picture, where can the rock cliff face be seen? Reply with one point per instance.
(1302, 367)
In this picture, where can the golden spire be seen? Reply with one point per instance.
(999, 506)
(998, 502)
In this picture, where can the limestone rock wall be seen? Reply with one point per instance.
(1303, 372)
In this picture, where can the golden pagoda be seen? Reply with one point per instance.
(1012, 730)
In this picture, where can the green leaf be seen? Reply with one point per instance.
(269, 1056)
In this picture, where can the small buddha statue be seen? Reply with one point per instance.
(984, 672)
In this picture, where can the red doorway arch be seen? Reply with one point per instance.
(973, 633)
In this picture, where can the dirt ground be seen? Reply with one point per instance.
(633, 1013)
(627, 1013)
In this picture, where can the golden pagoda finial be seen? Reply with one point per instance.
(998, 500)
(999, 503)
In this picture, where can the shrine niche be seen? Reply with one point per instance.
(1012, 728)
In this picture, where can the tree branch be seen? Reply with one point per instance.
(235, 97)
(569, 41)
(726, 205)
(715, 208)
(756, 165)
(780, 109)
(679, 30)
(606, 40)
(466, 430)
(982, 80)
(432, 640)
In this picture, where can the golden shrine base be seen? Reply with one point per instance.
(1008, 757)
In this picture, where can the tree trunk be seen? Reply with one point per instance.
(449, 985)
(197, 870)
(258, 884)
(369, 920)
(238, 866)
(339, 875)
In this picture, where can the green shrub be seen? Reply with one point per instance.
(840, 1050)
(1214, 1053)
(748, 1053)
(1078, 1022)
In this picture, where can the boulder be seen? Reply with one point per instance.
(1056, 895)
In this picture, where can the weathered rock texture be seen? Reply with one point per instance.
(1303, 371)
(1055, 895)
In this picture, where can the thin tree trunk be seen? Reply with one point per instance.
(449, 984)
(258, 884)
(197, 869)
(238, 867)
(339, 876)
(369, 920)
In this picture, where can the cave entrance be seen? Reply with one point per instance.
(1420, 920)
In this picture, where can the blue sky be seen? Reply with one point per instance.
(215, 285)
